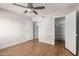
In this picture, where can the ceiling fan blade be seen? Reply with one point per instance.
(25, 11)
(19, 5)
(39, 7)
(35, 12)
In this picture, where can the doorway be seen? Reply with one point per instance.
(35, 31)
(60, 31)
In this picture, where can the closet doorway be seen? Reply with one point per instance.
(35, 31)
(65, 31)
(60, 31)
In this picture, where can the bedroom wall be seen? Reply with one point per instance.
(12, 29)
(45, 29)
(28, 29)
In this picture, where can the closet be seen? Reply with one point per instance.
(59, 28)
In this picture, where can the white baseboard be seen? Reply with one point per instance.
(51, 43)
(13, 44)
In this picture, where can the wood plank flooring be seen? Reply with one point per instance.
(36, 48)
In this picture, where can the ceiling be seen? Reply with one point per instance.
(51, 8)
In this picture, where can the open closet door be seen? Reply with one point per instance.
(70, 32)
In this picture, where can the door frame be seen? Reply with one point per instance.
(64, 28)
(77, 33)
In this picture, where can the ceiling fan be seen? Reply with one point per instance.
(30, 8)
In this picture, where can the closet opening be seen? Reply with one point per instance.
(35, 31)
(60, 31)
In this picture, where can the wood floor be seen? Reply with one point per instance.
(35, 48)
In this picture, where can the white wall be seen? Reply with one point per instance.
(28, 30)
(12, 29)
(46, 30)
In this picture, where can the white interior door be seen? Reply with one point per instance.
(70, 32)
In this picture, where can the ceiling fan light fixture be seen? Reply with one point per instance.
(29, 10)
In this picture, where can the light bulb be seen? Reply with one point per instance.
(30, 10)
